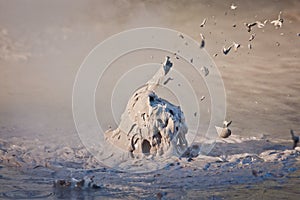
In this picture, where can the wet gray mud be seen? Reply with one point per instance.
(244, 168)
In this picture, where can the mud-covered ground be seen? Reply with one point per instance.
(42, 45)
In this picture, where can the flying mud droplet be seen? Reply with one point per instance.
(233, 7)
(203, 23)
(249, 26)
(226, 50)
(278, 22)
(181, 35)
(167, 65)
(252, 37)
(202, 98)
(226, 123)
(205, 70)
(224, 132)
(167, 81)
(202, 43)
(236, 46)
(260, 24)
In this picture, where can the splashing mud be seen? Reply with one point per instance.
(151, 125)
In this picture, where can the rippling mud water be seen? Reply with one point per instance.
(244, 168)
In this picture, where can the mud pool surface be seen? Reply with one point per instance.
(237, 168)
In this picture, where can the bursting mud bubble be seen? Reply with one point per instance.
(150, 125)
